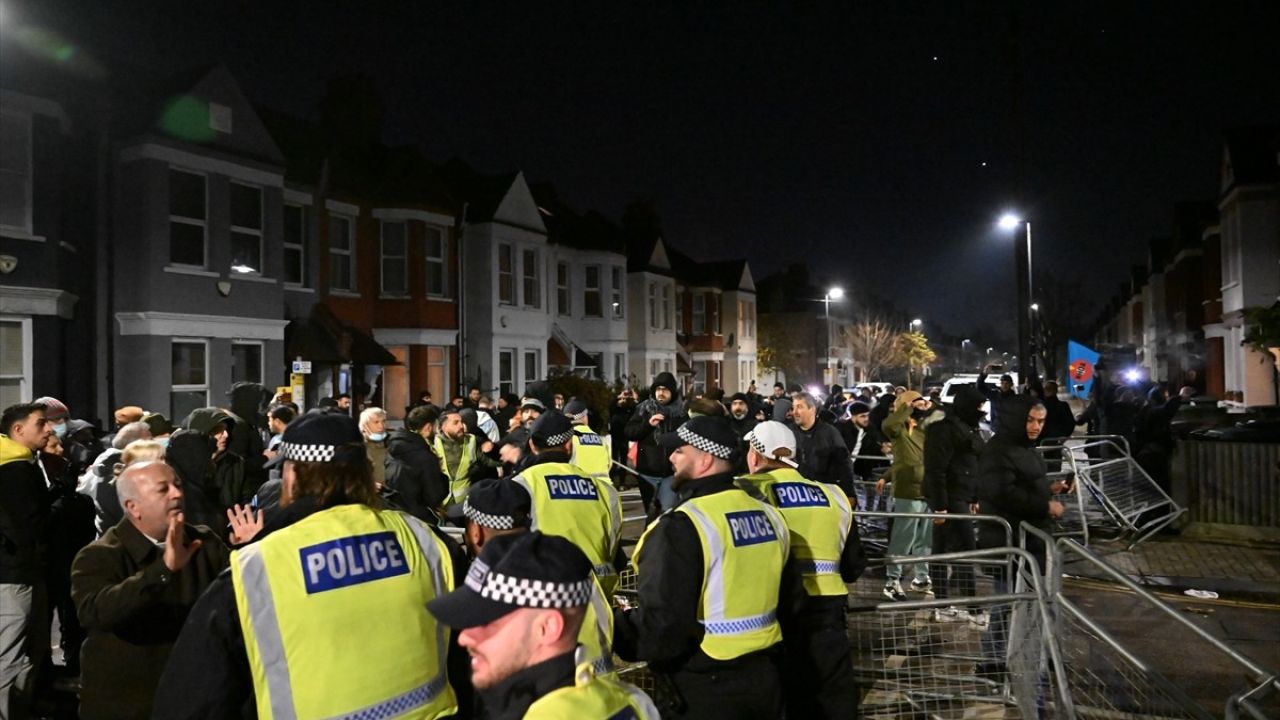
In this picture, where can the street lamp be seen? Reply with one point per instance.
(1022, 264)
(837, 294)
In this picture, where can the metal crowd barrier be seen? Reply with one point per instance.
(1106, 679)
(1116, 496)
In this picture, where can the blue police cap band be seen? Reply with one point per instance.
(527, 592)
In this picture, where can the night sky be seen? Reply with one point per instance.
(878, 142)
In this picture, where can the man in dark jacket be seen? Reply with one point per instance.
(226, 483)
(1012, 483)
(820, 451)
(133, 588)
(743, 421)
(1153, 433)
(951, 450)
(660, 413)
(24, 516)
(413, 468)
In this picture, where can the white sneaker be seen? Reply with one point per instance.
(893, 591)
(979, 620)
(949, 614)
(925, 587)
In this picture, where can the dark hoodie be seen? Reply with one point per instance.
(228, 482)
(651, 458)
(413, 472)
(190, 453)
(951, 449)
(1012, 480)
(249, 434)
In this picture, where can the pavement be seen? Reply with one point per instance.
(1233, 564)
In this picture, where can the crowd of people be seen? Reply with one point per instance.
(255, 560)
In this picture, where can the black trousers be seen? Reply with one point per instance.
(954, 535)
(817, 668)
(746, 688)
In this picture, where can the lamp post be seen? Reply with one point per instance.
(837, 294)
(1022, 263)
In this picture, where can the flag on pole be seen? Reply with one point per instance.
(1081, 362)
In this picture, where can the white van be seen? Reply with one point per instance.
(952, 386)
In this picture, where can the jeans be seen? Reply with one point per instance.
(995, 639)
(954, 535)
(910, 536)
(21, 641)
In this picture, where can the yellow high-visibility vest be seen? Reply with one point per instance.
(820, 520)
(459, 483)
(744, 548)
(595, 638)
(593, 697)
(585, 510)
(304, 591)
(591, 452)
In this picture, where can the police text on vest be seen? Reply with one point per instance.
(571, 487)
(790, 494)
(749, 527)
(351, 561)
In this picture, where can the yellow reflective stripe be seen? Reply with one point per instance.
(400, 704)
(266, 631)
(615, 516)
(604, 614)
(431, 552)
(713, 601)
(523, 482)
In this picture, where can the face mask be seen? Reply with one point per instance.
(60, 430)
(378, 437)
(164, 441)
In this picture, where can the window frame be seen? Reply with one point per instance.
(564, 295)
(530, 372)
(666, 306)
(244, 230)
(588, 290)
(25, 383)
(353, 283)
(403, 293)
(714, 307)
(300, 246)
(27, 175)
(262, 358)
(507, 385)
(654, 321)
(617, 295)
(202, 223)
(698, 315)
(509, 274)
(442, 260)
(530, 278)
(188, 387)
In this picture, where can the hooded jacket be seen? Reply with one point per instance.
(907, 471)
(1012, 480)
(413, 472)
(951, 449)
(651, 458)
(24, 514)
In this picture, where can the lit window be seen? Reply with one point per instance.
(246, 229)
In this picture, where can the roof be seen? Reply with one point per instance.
(1254, 156)
(641, 252)
(569, 228)
(722, 274)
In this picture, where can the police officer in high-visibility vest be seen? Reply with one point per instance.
(566, 501)
(326, 615)
(711, 578)
(495, 508)
(458, 453)
(817, 678)
(519, 611)
(591, 451)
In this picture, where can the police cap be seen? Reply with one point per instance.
(322, 438)
(709, 433)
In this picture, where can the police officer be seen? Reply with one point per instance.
(274, 633)
(566, 501)
(817, 678)
(591, 451)
(519, 612)
(496, 508)
(710, 582)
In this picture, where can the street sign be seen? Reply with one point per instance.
(298, 383)
(302, 366)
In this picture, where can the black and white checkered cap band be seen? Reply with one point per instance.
(484, 519)
(560, 439)
(760, 448)
(724, 452)
(308, 453)
(524, 592)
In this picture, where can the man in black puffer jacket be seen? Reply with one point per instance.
(951, 450)
(661, 413)
(1012, 483)
(413, 468)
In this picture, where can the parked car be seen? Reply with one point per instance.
(952, 386)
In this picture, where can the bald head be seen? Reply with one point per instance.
(150, 493)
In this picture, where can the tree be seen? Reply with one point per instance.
(872, 341)
(912, 350)
(781, 343)
(1064, 312)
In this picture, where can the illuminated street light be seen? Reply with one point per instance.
(1010, 222)
(835, 293)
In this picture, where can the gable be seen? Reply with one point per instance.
(518, 208)
(658, 258)
(747, 282)
(215, 113)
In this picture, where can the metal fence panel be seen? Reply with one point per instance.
(1231, 482)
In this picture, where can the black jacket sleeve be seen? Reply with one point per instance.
(208, 675)
(638, 427)
(664, 629)
(837, 461)
(853, 561)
